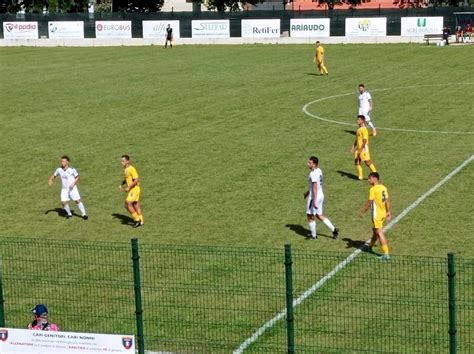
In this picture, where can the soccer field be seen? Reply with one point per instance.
(220, 140)
(220, 136)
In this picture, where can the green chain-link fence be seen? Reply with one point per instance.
(223, 300)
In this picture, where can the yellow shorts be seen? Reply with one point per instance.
(133, 195)
(319, 62)
(378, 223)
(364, 156)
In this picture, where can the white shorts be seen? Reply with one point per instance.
(310, 210)
(67, 195)
(365, 114)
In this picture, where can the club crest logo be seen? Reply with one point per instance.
(364, 24)
(9, 26)
(3, 335)
(421, 22)
(127, 342)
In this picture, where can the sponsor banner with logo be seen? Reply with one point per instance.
(113, 29)
(371, 26)
(66, 29)
(157, 29)
(23, 341)
(261, 28)
(210, 28)
(20, 30)
(418, 26)
(309, 27)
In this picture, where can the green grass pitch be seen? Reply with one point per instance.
(220, 141)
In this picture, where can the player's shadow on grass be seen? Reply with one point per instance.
(313, 74)
(348, 175)
(351, 132)
(350, 243)
(61, 212)
(124, 219)
(300, 230)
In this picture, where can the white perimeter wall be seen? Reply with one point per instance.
(94, 42)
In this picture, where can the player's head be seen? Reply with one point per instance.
(318, 43)
(361, 88)
(313, 162)
(125, 160)
(40, 312)
(169, 25)
(65, 160)
(373, 178)
(360, 120)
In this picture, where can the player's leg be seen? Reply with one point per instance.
(370, 165)
(138, 210)
(368, 121)
(383, 244)
(65, 202)
(74, 195)
(323, 69)
(360, 172)
(166, 43)
(310, 212)
(321, 217)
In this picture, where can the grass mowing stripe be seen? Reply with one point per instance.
(245, 344)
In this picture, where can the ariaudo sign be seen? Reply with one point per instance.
(261, 28)
(309, 27)
(113, 29)
(418, 26)
(210, 28)
(157, 29)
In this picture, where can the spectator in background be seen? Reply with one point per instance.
(446, 34)
(459, 34)
(40, 321)
(468, 33)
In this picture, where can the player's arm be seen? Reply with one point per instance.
(132, 185)
(120, 188)
(305, 194)
(370, 104)
(364, 143)
(315, 194)
(353, 147)
(365, 208)
(388, 207)
(51, 180)
(73, 184)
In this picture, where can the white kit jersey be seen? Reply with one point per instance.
(315, 176)
(364, 104)
(67, 176)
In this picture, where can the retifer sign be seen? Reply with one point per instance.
(366, 27)
(309, 27)
(419, 26)
(23, 341)
(261, 28)
(20, 30)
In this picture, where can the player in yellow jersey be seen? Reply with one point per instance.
(360, 148)
(133, 191)
(319, 59)
(381, 210)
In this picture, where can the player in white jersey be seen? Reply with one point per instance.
(315, 200)
(365, 107)
(69, 190)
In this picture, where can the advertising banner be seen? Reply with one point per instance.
(23, 341)
(364, 27)
(66, 29)
(418, 26)
(309, 27)
(113, 29)
(261, 28)
(20, 30)
(210, 28)
(157, 29)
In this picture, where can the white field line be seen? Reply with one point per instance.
(306, 111)
(246, 343)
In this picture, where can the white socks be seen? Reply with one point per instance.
(312, 228)
(82, 208)
(67, 209)
(329, 224)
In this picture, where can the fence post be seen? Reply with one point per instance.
(290, 325)
(2, 300)
(138, 296)
(452, 303)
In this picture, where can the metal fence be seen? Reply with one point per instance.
(337, 18)
(222, 300)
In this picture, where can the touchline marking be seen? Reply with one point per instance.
(245, 344)
(306, 106)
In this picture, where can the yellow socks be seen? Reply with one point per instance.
(372, 168)
(135, 216)
(359, 172)
(385, 249)
(141, 218)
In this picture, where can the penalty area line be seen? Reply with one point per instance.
(260, 331)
